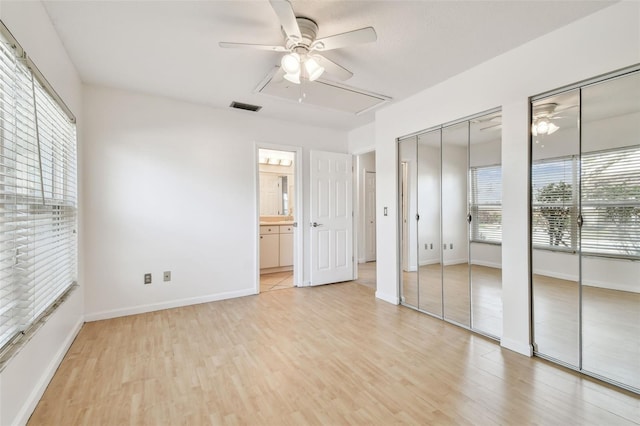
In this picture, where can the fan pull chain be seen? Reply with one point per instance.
(302, 95)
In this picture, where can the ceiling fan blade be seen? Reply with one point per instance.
(252, 46)
(363, 35)
(287, 18)
(338, 71)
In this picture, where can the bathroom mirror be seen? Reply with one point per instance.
(276, 170)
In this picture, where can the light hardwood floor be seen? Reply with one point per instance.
(332, 355)
(276, 281)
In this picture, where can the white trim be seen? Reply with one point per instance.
(610, 286)
(455, 261)
(485, 263)
(387, 297)
(141, 309)
(32, 401)
(588, 283)
(519, 347)
(558, 275)
(355, 214)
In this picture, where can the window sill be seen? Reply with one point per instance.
(14, 346)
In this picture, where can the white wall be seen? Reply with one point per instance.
(429, 182)
(171, 186)
(597, 44)
(362, 139)
(25, 377)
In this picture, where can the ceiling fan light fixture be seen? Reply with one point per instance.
(552, 128)
(291, 63)
(294, 78)
(313, 68)
(542, 126)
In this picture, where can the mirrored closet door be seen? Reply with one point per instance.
(451, 266)
(429, 242)
(455, 244)
(586, 228)
(408, 198)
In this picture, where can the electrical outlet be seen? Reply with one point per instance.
(167, 275)
(147, 278)
(451, 246)
(426, 246)
(431, 246)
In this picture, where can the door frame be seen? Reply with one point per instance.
(358, 184)
(298, 241)
(368, 241)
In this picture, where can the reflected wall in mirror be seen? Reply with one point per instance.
(408, 198)
(276, 170)
(485, 228)
(586, 228)
(455, 244)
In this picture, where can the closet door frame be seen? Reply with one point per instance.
(400, 225)
(579, 86)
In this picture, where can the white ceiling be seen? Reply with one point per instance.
(170, 48)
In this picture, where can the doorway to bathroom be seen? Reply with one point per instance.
(278, 200)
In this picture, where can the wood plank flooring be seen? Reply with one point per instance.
(276, 281)
(324, 355)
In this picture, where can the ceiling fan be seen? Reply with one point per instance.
(301, 45)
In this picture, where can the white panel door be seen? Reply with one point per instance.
(331, 218)
(370, 216)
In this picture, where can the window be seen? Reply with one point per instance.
(485, 201)
(610, 203)
(38, 208)
(554, 203)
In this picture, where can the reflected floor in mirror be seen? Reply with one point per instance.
(611, 327)
(487, 294)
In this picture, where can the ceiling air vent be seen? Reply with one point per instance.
(248, 107)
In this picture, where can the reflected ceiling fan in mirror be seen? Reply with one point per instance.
(301, 60)
(543, 117)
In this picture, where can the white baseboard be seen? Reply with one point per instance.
(141, 309)
(554, 274)
(32, 401)
(387, 298)
(589, 283)
(429, 262)
(519, 347)
(487, 264)
(455, 261)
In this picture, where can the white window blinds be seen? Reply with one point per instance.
(38, 206)
(611, 202)
(554, 203)
(485, 203)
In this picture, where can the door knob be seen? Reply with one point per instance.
(316, 224)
